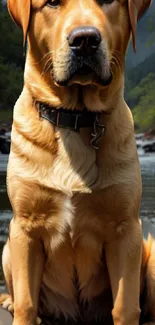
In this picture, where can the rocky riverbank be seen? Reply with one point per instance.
(5, 137)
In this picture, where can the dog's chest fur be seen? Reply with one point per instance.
(74, 168)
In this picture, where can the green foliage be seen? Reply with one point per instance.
(151, 28)
(140, 93)
(151, 25)
(144, 97)
(10, 83)
(11, 61)
(10, 40)
(140, 80)
(136, 74)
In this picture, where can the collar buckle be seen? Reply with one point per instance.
(98, 131)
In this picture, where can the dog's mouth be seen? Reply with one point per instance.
(84, 72)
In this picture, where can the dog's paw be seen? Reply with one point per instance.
(6, 302)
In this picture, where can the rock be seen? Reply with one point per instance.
(5, 317)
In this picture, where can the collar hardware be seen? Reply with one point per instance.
(98, 131)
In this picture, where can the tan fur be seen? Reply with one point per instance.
(75, 243)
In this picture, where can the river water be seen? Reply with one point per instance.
(147, 211)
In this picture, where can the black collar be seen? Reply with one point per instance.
(73, 120)
(64, 118)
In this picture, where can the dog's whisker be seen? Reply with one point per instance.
(116, 63)
(51, 52)
(118, 52)
(46, 66)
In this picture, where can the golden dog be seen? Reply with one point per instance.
(75, 242)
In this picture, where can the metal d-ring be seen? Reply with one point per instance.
(98, 132)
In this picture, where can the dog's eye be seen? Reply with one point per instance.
(53, 3)
(104, 2)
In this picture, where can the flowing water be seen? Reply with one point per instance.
(147, 211)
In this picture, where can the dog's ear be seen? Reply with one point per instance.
(20, 13)
(136, 10)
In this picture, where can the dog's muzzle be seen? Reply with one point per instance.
(86, 60)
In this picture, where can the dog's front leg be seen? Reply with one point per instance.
(123, 257)
(27, 259)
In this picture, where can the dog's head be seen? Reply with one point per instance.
(79, 41)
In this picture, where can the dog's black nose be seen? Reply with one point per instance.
(84, 41)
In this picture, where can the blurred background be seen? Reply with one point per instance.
(139, 94)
